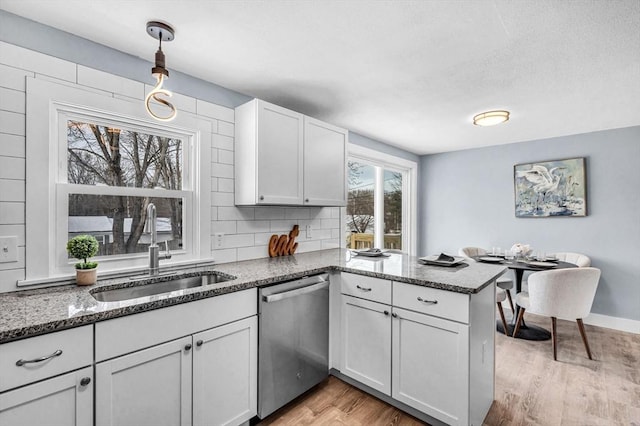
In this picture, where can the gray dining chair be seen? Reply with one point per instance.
(562, 293)
(500, 297)
(581, 260)
(504, 283)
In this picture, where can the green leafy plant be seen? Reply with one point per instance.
(83, 247)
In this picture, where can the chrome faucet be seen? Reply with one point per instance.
(154, 250)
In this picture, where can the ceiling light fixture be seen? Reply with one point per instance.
(491, 118)
(161, 32)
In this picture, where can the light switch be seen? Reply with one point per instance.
(308, 232)
(218, 240)
(8, 249)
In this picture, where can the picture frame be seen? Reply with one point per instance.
(553, 188)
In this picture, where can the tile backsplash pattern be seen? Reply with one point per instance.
(246, 229)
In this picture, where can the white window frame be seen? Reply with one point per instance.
(409, 170)
(49, 106)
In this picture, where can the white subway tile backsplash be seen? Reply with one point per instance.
(214, 155)
(222, 199)
(12, 168)
(269, 213)
(12, 123)
(215, 111)
(253, 226)
(330, 244)
(320, 212)
(12, 189)
(181, 102)
(321, 234)
(238, 240)
(222, 170)
(222, 142)
(309, 245)
(30, 60)
(262, 238)
(225, 157)
(236, 213)
(225, 128)
(214, 184)
(14, 78)
(224, 226)
(109, 82)
(12, 100)
(225, 185)
(11, 213)
(335, 212)
(224, 255)
(255, 252)
(283, 226)
(12, 145)
(329, 223)
(296, 213)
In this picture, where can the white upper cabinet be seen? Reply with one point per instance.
(324, 164)
(285, 158)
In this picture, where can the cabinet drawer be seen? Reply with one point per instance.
(439, 303)
(75, 348)
(369, 288)
(128, 334)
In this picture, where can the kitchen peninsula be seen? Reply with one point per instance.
(438, 320)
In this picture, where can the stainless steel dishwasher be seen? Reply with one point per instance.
(293, 340)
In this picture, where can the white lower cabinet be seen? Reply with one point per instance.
(225, 374)
(189, 364)
(63, 400)
(149, 387)
(214, 372)
(366, 342)
(430, 368)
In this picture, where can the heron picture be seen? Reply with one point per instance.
(551, 188)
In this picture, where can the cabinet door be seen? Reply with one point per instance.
(149, 387)
(63, 400)
(225, 379)
(366, 343)
(431, 365)
(324, 164)
(279, 155)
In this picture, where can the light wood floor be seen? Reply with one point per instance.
(531, 389)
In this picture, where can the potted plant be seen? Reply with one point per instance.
(83, 247)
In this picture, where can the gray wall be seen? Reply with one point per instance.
(467, 199)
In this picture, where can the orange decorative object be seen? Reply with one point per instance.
(284, 245)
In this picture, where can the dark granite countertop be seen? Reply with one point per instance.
(32, 312)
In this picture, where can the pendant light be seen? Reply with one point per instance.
(161, 32)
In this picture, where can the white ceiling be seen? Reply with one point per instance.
(408, 73)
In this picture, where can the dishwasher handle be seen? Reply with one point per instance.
(296, 292)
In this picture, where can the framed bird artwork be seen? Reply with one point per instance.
(556, 188)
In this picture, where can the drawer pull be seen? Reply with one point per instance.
(394, 315)
(199, 343)
(22, 362)
(85, 381)
(363, 288)
(428, 302)
(187, 347)
(386, 312)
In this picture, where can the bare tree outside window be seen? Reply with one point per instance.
(105, 156)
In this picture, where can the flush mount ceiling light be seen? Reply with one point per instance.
(491, 118)
(161, 32)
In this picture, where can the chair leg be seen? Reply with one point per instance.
(554, 341)
(510, 300)
(504, 321)
(584, 337)
(518, 321)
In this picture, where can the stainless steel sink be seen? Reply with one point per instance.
(126, 293)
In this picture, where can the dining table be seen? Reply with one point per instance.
(519, 266)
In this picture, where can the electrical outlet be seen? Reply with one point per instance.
(8, 249)
(218, 239)
(308, 231)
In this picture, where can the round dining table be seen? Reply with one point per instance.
(527, 331)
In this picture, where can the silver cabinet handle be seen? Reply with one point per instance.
(22, 362)
(394, 315)
(199, 343)
(363, 288)
(187, 347)
(85, 381)
(428, 302)
(386, 312)
(296, 292)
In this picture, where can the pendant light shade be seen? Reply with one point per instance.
(161, 32)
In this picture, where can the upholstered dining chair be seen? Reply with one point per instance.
(501, 295)
(504, 283)
(581, 260)
(563, 293)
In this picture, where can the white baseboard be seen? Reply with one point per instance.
(621, 324)
(606, 321)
